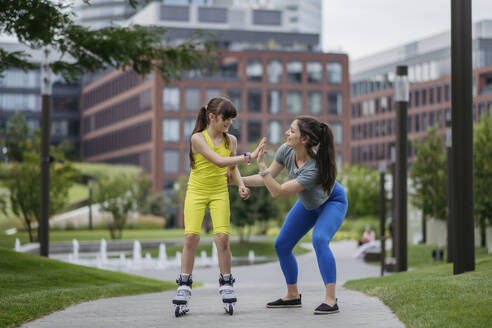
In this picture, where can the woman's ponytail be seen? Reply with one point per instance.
(320, 137)
(325, 158)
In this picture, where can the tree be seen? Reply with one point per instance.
(149, 201)
(16, 137)
(24, 184)
(118, 196)
(41, 24)
(428, 176)
(362, 187)
(482, 152)
(69, 151)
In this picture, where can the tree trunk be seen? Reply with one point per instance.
(424, 228)
(483, 237)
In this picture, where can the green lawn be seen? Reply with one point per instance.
(431, 296)
(33, 286)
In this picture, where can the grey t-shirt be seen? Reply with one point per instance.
(313, 194)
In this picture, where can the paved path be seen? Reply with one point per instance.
(255, 285)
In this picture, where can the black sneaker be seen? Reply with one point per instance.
(326, 309)
(280, 303)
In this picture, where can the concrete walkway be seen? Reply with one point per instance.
(255, 286)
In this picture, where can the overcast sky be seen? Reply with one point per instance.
(364, 27)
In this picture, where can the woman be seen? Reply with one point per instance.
(309, 158)
(212, 154)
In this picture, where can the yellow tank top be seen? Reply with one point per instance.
(206, 176)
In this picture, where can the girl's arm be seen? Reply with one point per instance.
(199, 145)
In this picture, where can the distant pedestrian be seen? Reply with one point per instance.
(309, 158)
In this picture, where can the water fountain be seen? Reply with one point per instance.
(17, 247)
(76, 247)
(178, 258)
(137, 251)
(251, 256)
(103, 251)
(215, 256)
(162, 253)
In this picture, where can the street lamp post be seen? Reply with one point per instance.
(393, 189)
(45, 155)
(449, 174)
(382, 212)
(401, 99)
(462, 136)
(90, 203)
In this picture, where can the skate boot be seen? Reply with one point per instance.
(183, 295)
(227, 292)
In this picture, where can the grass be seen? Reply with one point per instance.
(431, 296)
(261, 248)
(33, 286)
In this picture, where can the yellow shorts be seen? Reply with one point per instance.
(194, 211)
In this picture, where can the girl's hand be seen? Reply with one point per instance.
(261, 157)
(244, 192)
(261, 145)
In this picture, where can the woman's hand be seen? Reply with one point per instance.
(261, 145)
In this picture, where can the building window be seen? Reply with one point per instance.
(417, 123)
(424, 121)
(189, 125)
(274, 132)
(439, 118)
(336, 128)
(235, 96)
(170, 99)
(481, 111)
(212, 93)
(254, 100)
(59, 128)
(170, 161)
(431, 119)
(417, 98)
(315, 102)
(274, 101)
(334, 103)
(170, 130)
(294, 102)
(431, 95)
(274, 71)
(294, 71)
(424, 97)
(187, 167)
(409, 123)
(254, 70)
(254, 131)
(439, 93)
(192, 99)
(447, 92)
(235, 130)
(20, 102)
(334, 73)
(315, 72)
(20, 79)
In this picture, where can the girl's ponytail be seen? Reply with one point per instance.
(200, 125)
(325, 158)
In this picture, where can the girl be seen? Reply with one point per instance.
(309, 158)
(212, 154)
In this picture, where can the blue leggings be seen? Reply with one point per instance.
(326, 220)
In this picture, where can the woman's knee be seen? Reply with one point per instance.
(320, 241)
(282, 246)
